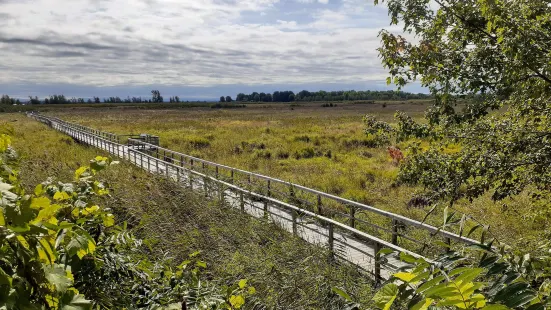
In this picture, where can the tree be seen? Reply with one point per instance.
(496, 54)
(222, 99)
(34, 100)
(228, 99)
(156, 96)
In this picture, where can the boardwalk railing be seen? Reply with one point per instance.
(350, 230)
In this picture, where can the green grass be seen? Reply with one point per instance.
(287, 272)
(306, 144)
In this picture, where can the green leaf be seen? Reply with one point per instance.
(341, 293)
(407, 258)
(74, 301)
(425, 286)
(520, 299)
(201, 264)
(386, 296)
(5, 279)
(57, 276)
(423, 304)
(495, 307)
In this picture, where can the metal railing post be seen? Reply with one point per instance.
(352, 220)
(242, 201)
(295, 230)
(377, 267)
(330, 240)
(394, 232)
(319, 206)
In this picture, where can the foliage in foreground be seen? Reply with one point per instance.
(499, 280)
(59, 250)
(497, 54)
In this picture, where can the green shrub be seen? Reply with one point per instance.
(60, 250)
(197, 142)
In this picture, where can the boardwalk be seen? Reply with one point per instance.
(289, 211)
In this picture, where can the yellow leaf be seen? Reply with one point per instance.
(39, 190)
(237, 301)
(90, 210)
(242, 283)
(61, 196)
(109, 220)
(23, 241)
(40, 203)
(80, 171)
(46, 214)
(404, 276)
(2, 221)
(251, 290)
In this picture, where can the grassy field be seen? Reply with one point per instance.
(286, 272)
(320, 147)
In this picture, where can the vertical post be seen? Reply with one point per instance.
(216, 171)
(377, 267)
(191, 174)
(242, 201)
(266, 209)
(394, 232)
(269, 188)
(320, 208)
(352, 220)
(181, 160)
(231, 176)
(448, 241)
(330, 240)
(148, 164)
(177, 175)
(295, 230)
(157, 166)
(205, 186)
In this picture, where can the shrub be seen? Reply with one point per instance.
(282, 154)
(305, 153)
(355, 143)
(59, 250)
(197, 142)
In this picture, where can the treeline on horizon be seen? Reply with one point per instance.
(349, 95)
(277, 96)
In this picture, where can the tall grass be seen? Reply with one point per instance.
(309, 145)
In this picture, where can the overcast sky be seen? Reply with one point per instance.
(191, 48)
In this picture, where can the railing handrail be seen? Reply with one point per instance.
(400, 218)
(294, 208)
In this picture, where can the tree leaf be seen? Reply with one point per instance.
(386, 296)
(341, 293)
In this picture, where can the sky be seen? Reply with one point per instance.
(196, 49)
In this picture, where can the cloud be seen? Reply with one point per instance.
(110, 43)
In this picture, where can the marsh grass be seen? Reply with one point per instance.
(310, 145)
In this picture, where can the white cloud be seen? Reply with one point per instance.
(187, 42)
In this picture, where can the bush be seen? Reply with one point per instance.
(197, 142)
(355, 143)
(305, 153)
(60, 250)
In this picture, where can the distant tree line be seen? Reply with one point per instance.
(289, 96)
(6, 100)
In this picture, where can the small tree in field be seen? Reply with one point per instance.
(222, 99)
